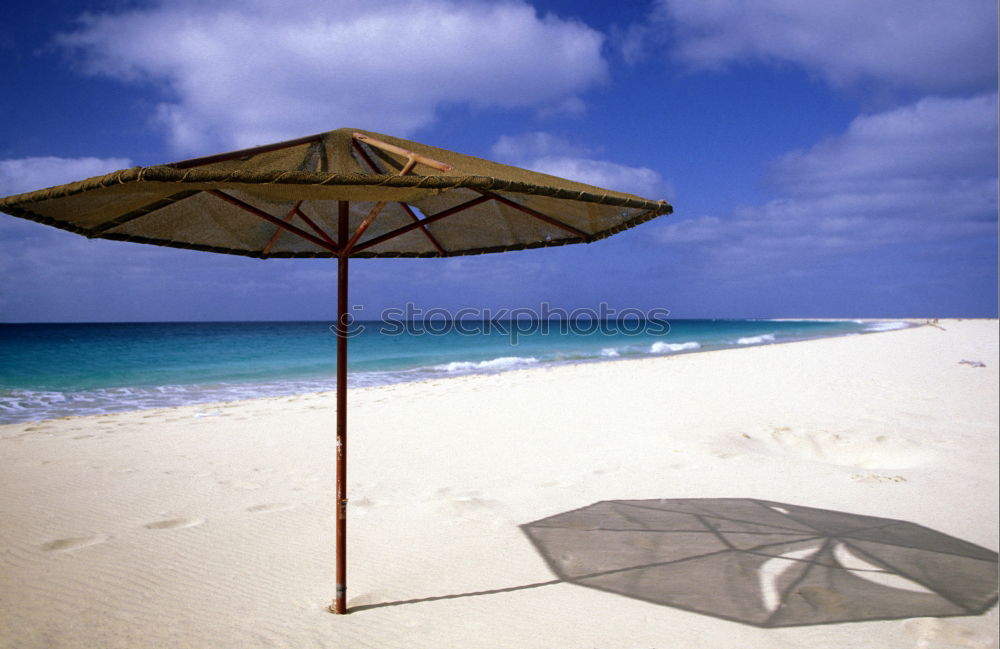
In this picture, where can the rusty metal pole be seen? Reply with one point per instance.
(339, 605)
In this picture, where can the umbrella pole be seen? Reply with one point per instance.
(340, 603)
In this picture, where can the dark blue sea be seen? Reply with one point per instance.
(57, 370)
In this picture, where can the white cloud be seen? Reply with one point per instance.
(926, 146)
(241, 73)
(27, 174)
(551, 154)
(924, 173)
(927, 45)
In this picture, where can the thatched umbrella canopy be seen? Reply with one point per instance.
(282, 200)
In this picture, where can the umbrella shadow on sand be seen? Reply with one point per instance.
(766, 563)
(762, 563)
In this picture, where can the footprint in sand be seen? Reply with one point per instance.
(876, 478)
(73, 543)
(174, 523)
(238, 484)
(271, 507)
(844, 448)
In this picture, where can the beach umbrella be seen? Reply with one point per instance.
(766, 563)
(340, 194)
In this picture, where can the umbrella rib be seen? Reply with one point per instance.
(904, 574)
(538, 215)
(657, 564)
(792, 518)
(244, 153)
(686, 559)
(854, 534)
(756, 549)
(184, 245)
(884, 522)
(714, 531)
(406, 208)
(278, 231)
(654, 564)
(425, 221)
(363, 226)
(618, 510)
(805, 537)
(326, 237)
(137, 213)
(271, 219)
(288, 219)
(505, 248)
(729, 518)
(360, 150)
(416, 219)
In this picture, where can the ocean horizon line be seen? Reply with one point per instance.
(912, 319)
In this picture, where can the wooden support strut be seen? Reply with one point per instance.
(406, 208)
(409, 155)
(363, 226)
(536, 214)
(316, 228)
(277, 231)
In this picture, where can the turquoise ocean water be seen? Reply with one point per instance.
(55, 370)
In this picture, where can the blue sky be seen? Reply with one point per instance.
(833, 159)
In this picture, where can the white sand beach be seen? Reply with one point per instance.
(213, 526)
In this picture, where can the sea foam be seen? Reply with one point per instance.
(885, 326)
(502, 363)
(756, 340)
(661, 347)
